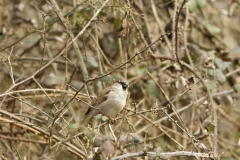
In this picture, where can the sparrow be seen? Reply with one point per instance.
(109, 102)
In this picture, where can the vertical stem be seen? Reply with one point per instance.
(75, 45)
(177, 15)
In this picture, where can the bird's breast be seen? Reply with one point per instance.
(114, 104)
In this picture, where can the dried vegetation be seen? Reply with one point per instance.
(181, 59)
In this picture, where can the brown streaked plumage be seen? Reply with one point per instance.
(109, 102)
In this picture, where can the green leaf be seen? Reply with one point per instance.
(86, 16)
(117, 23)
(210, 72)
(220, 76)
(221, 64)
(210, 84)
(237, 106)
(104, 118)
(192, 5)
(102, 13)
(152, 88)
(211, 54)
(117, 76)
(211, 128)
(81, 18)
(122, 11)
(106, 78)
(201, 3)
(52, 20)
(90, 135)
(237, 88)
(142, 70)
(74, 126)
(37, 137)
(91, 61)
(213, 29)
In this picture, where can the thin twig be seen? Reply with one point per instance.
(164, 155)
(37, 130)
(176, 30)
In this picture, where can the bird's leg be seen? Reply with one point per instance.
(112, 120)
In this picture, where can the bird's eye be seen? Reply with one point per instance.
(124, 85)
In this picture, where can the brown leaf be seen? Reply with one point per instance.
(127, 24)
(108, 148)
(99, 140)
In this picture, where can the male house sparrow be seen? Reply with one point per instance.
(109, 102)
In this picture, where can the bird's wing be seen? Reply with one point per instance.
(93, 112)
(102, 96)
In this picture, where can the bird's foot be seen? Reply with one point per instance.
(112, 120)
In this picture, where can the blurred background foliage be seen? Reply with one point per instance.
(33, 32)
